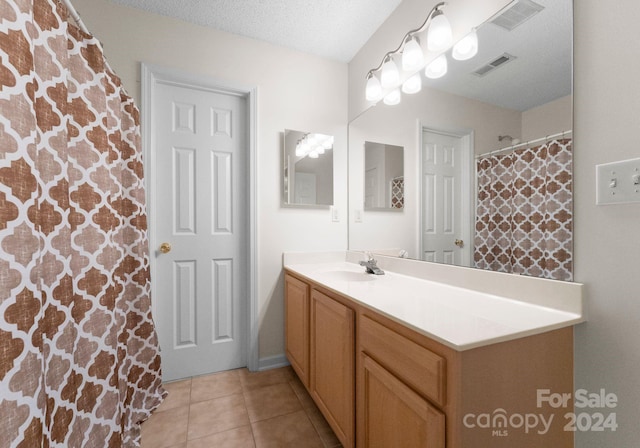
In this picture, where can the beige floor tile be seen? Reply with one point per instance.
(271, 401)
(207, 387)
(179, 392)
(251, 380)
(234, 438)
(301, 393)
(329, 439)
(286, 431)
(217, 415)
(166, 429)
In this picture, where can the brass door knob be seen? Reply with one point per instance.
(165, 248)
(459, 243)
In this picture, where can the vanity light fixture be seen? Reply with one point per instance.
(312, 145)
(384, 81)
(412, 55)
(439, 35)
(390, 76)
(373, 90)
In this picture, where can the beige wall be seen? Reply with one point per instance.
(607, 238)
(295, 91)
(548, 119)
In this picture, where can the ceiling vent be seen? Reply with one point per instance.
(497, 62)
(516, 13)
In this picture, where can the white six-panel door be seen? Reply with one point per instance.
(445, 218)
(200, 201)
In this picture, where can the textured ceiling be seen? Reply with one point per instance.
(335, 29)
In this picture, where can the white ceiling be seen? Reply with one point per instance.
(335, 29)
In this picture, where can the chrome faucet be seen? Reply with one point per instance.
(371, 265)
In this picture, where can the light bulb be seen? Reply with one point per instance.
(374, 89)
(392, 98)
(412, 56)
(319, 149)
(313, 155)
(390, 77)
(413, 84)
(439, 35)
(466, 48)
(437, 68)
(299, 151)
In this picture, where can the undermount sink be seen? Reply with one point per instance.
(348, 276)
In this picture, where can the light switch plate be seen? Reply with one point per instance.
(335, 216)
(618, 182)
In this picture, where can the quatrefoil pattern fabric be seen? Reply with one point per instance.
(524, 216)
(79, 359)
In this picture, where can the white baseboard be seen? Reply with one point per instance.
(272, 362)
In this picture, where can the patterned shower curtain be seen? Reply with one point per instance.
(524, 213)
(79, 360)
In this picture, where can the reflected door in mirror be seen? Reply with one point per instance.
(446, 218)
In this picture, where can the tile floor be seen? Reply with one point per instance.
(238, 409)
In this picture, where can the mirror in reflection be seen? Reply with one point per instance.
(307, 169)
(454, 134)
(383, 177)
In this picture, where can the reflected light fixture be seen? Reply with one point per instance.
(437, 68)
(413, 84)
(392, 98)
(312, 145)
(466, 48)
(386, 80)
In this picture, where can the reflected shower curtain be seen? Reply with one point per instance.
(79, 360)
(524, 215)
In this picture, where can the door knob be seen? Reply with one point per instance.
(459, 243)
(165, 248)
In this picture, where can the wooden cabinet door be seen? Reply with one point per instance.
(332, 364)
(390, 414)
(296, 329)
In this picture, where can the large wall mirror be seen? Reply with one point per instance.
(462, 135)
(307, 170)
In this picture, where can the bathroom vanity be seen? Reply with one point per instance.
(402, 360)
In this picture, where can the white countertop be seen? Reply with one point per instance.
(458, 317)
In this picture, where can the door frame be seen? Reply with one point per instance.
(468, 185)
(151, 76)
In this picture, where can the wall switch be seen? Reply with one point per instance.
(335, 217)
(618, 182)
(357, 216)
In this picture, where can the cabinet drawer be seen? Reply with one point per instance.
(417, 366)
